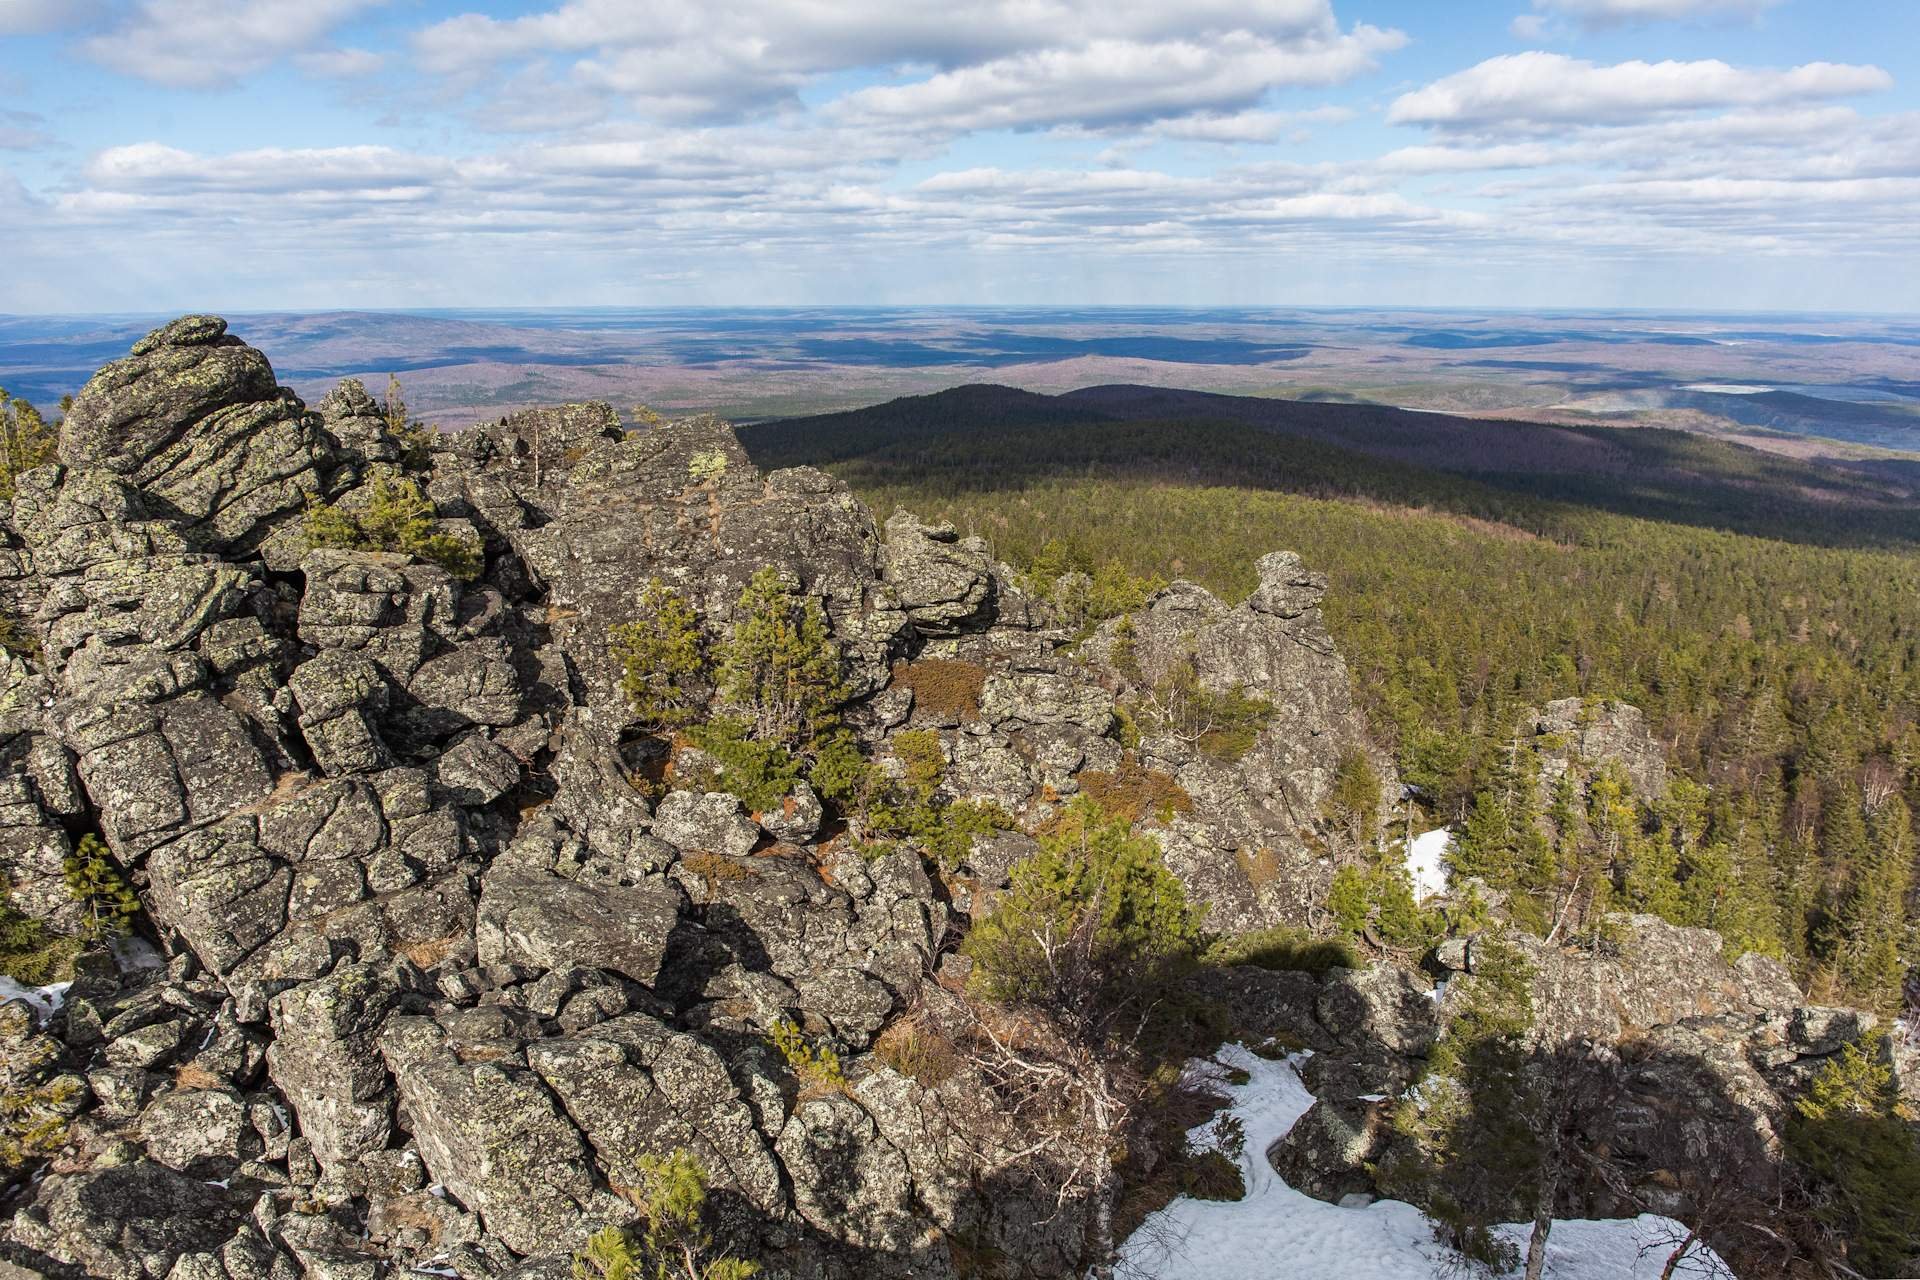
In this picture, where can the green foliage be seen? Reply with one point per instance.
(1350, 899)
(671, 1240)
(947, 831)
(30, 953)
(1379, 896)
(760, 773)
(921, 758)
(914, 809)
(1094, 887)
(397, 516)
(1870, 935)
(779, 667)
(1087, 594)
(1353, 802)
(94, 881)
(816, 1066)
(1224, 725)
(26, 441)
(1284, 947)
(1768, 640)
(1862, 1157)
(663, 659)
(415, 438)
(840, 773)
(34, 1109)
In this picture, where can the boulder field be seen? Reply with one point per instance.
(436, 961)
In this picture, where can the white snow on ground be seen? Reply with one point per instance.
(44, 1001)
(1281, 1233)
(1427, 863)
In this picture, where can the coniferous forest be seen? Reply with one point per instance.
(1765, 614)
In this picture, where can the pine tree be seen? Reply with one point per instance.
(25, 440)
(95, 882)
(1088, 939)
(663, 660)
(671, 1240)
(779, 666)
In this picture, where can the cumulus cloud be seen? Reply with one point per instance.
(1109, 82)
(1606, 13)
(206, 44)
(1536, 88)
(1019, 63)
(729, 145)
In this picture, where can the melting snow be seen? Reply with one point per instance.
(44, 1001)
(1427, 863)
(1276, 1231)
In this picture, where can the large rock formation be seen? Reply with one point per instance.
(442, 961)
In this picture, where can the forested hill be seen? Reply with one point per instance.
(1765, 613)
(1536, 477)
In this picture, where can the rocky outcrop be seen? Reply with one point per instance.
(1574, 731)
(1246, 844)
(1675, 1051)
(449, 946)
(444, 973)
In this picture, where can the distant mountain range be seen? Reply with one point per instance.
(989, 436)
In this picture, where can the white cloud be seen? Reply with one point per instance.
(1528, 26)
(1244, 126)
(37, 17)
(1030, 63)
(1110, 82)
(1538, 88)
(206, 44)
(339, 64)
(1606, 13)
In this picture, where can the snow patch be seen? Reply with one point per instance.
(1427, 863)
(44, 1001)
(1276, 1231)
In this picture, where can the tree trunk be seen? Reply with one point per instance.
(1537, 1242)
(1103, 1189)
(1673, 1259)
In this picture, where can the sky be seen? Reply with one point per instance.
(160, 155)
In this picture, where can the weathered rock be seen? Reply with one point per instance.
(944, 582)
(1328, 1151)
(342, 697)
(203, 1132)
(358, 422)
(711, 822)
(1610, 732)
(637, 1088)
(796, 819)
(492, 1134)
(129, 1222)
(550, 922)
(326, 1060)
(848, 1181)
(194, 417)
